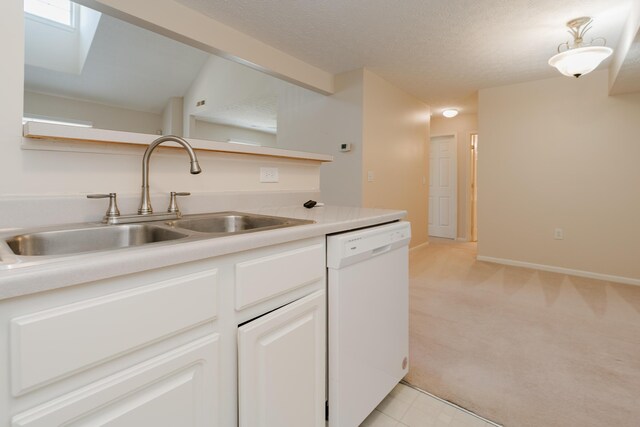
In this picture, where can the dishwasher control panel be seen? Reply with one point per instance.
(349, 247)
(359, 245)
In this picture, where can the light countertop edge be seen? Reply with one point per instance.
(77, 269)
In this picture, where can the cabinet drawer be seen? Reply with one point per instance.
(263, 278)
(57, 342)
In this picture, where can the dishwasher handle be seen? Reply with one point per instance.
(381, 250)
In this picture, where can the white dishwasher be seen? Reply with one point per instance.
(368, 319)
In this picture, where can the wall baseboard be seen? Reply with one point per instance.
(421, 245)
(562, 270)
(462, 239)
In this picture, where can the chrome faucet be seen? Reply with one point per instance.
(145, 213)
(145, 201)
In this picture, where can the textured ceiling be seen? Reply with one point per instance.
(442, 51)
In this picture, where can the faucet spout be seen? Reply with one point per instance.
(195, 167)
(145, 201)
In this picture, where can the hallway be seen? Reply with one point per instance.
(523, 347)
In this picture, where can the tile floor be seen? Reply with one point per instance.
(408, 407)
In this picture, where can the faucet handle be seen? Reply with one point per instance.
(112, 210)
(173, 204)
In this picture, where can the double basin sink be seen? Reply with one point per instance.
(68, 240)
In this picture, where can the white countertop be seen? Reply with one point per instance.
(27, 278)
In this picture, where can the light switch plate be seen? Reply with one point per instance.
(269, 175)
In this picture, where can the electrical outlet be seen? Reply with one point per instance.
(269, 175)
(558, 234)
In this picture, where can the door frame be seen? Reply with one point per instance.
(471, 169)
(465, 181)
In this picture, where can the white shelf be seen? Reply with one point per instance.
(54, 133)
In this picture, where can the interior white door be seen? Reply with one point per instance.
(281, 366)
(442, 187)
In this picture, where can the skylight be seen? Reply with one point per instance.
(58, 11)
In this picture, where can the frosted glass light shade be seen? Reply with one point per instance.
(450, 113)
(579, 61)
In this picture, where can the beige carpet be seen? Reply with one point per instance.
(523, 347)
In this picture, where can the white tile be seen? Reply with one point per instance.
(445, 418)
(429, 404)
(378, 419)
(464, 419)
(393, 407)
(414, 417)
(408, 407)
(458, 422)
(449, 410)
(405, 393)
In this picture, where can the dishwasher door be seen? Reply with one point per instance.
(368, 319)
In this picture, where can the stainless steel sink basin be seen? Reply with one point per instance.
(89, 237)
(86, 239)
(233, 222)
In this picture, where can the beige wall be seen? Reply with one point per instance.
(172, 120)
(461, 126)
(561, 153)
(100, 115)
(11, 88)
(308, 121)
(396, 128)
(387, 129)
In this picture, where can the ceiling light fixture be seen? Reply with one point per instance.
(579, 58)
(450, 113)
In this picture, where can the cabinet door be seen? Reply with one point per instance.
(177, 388)
(282, 366)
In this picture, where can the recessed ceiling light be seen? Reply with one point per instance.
(450, 113)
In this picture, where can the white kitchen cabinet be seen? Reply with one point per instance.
(114, 352)
(281, 366)
(160, 347)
